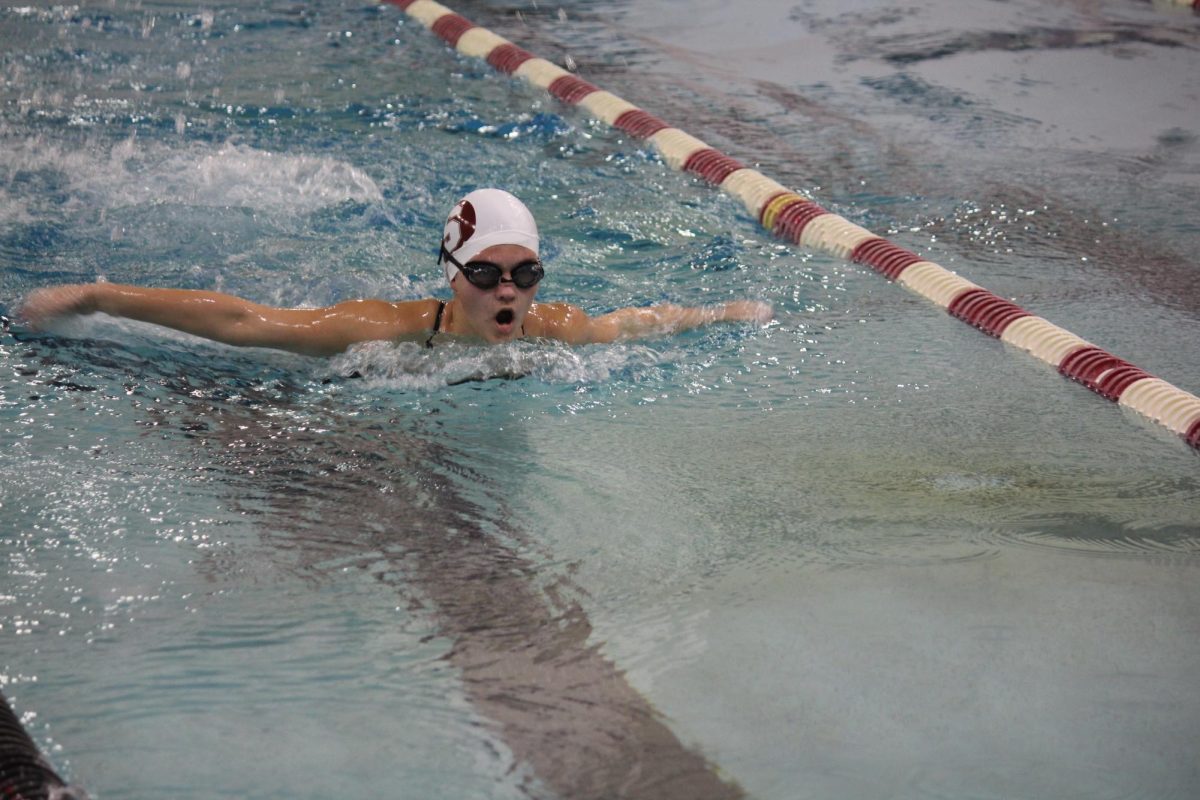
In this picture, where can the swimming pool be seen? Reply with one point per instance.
(837, 557)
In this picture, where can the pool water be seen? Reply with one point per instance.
(864, 551)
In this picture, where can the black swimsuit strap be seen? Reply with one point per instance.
(437, 323)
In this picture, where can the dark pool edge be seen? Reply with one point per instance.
(26, 774)
(799, 219)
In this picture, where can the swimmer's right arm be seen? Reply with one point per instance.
(571, 324)
(234, 320)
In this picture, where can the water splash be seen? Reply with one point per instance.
(133, 172)
(411, 366)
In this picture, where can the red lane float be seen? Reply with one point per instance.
(570, 89)
(639, 124)
(712, 165)
(884, 257)
(799, 219)
(794, 217)
(507, 58)
(451, 27)
(1101, 371)
(986, 311)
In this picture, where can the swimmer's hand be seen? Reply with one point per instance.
(41, 307)
(746, 311)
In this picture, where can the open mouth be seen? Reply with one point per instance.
(504, 316)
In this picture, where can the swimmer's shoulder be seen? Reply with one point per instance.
(563, 321)
(421, 318)
(399, 320)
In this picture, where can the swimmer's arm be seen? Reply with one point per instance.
(235, 321)
(572, 325)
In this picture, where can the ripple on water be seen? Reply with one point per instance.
(901, 545)
(1098, 535)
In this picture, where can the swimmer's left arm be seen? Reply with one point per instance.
(572, 325)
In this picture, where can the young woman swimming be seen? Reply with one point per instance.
(490, 254)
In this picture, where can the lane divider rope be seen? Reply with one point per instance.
(799, 219)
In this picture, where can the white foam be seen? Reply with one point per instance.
(410, 365)
(239, 175)
(135, 173)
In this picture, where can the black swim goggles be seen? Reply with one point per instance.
(486, 275)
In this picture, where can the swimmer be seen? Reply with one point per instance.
(490, 255)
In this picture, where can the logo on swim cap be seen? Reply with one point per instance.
(459, 227)
(483, 219)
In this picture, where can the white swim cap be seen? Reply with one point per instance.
(484, 218)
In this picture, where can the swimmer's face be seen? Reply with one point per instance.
(496, 314)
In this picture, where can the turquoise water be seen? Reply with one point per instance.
(863, 552)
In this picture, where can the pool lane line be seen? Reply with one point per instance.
(798, 218)
(523, 649)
